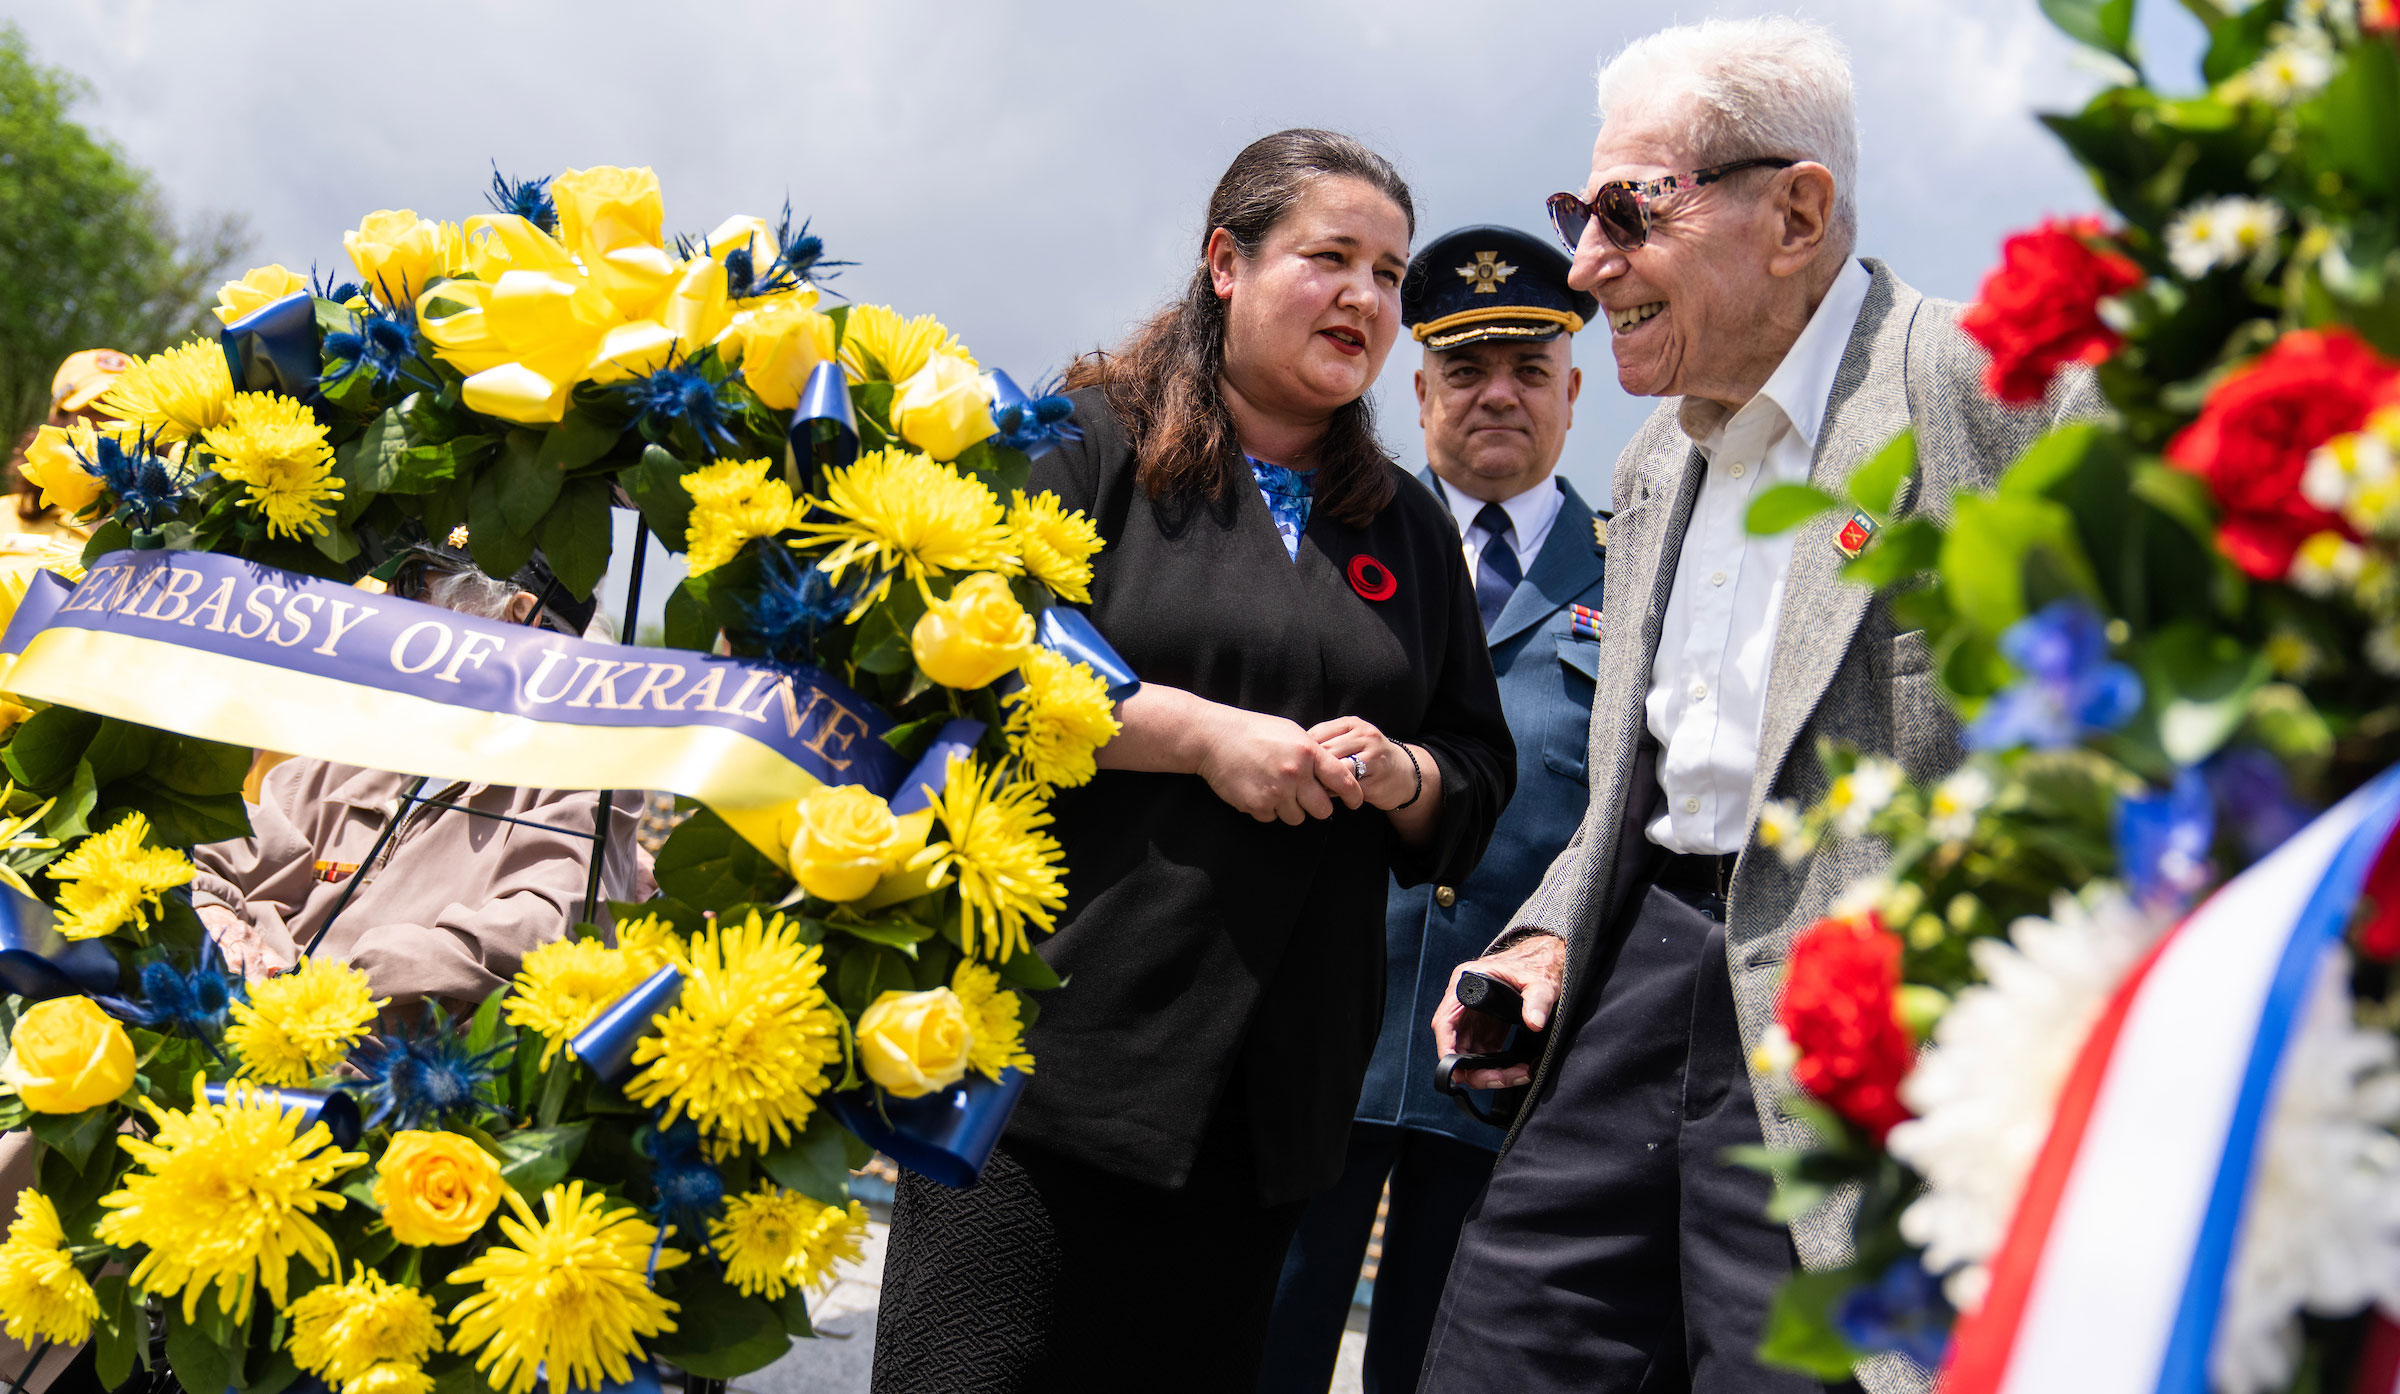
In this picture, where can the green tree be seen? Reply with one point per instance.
(90, 256)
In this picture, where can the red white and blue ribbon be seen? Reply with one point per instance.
(2112, 1278)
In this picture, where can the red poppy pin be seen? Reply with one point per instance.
(1372, 579)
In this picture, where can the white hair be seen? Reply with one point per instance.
(471, 593)
(1767, 86)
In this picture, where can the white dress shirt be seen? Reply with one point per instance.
(1708, 686)
(1530, 515)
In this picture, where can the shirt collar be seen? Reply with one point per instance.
(1528, 513)
(1802, 383)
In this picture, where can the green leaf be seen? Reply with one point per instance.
(499, 549)
(121, 748)
(690, 623)
(71, 818)
(575, 441)
(483, 1031)
(1991, 547)
(720, 1334)
(1786, 506)
(48, 745)
(892, 934)
(575, 536)
(2285, 721)
(2106, 25)
(525, 487)
(190, 765)
(74, 1135)
(2199, 686)
(277, 1375)
(704, 862)
(1900, 552)
(1800, 1334)
(534, 1159)
(2360, 111)
(1877, 483)
(178, 819)
(882, 645)
(199, 1352)
(866, 973)
(2237, 42)
(792, 1307)
(656, 488)
(120, 1331)
(813, 1163)
(1027, 969)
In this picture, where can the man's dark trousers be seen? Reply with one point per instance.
(1435, 1181)
(1615, 1251)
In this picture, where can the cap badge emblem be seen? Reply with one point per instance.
(1486, 273)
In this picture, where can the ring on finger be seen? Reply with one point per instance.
(1358, 767)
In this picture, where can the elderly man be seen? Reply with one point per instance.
(1615, 1249)
(474, 877)
(1496, 395)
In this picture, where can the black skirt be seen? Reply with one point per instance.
(1055, 1276)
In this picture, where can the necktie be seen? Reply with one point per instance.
(1497, 574)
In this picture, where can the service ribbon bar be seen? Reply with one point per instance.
(228, 650)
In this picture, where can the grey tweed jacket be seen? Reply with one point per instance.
(1841, 668)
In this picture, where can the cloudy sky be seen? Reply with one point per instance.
(1033, 172)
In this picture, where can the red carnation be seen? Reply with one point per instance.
(1838, 1007)
(2379, 17)
(2257, 428)
(2040, 307)
(2379, 935)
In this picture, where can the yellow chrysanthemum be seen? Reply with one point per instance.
(732, 502)
(772, 1240)
(391, 1378)
(878, 345)
(223, 1195)
(261, 287)
(1007, 869)
(113, 879)
(42, 1293)
(275, 445)
(744, 1050)
(896, 510)
(179, 393)
(1058, 719)
(652, 940)
(301, 1024)
(572, 1299)
(996, 1039)
(563, 985)
(342, 1330)
(1055, 542)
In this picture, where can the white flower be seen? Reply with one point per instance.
(1858, 796)
(1956, 801)
(2327, 564)
(1775, 1056)
(2325, 481)
(2296, 68)
(1782, 829)
(2383, 649)
(1862, 899)
(1986, 1090)
(2222, 232)
(2322, 1229)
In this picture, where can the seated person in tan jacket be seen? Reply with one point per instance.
(450, 906)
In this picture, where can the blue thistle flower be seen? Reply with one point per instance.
(196, 1003)
(799, 260)
(2163, 840)
(418, 1078)
(1038, 422)
(384, 344)
(322, 285)
(2070, 687)
(795, 603)
(1903, 1310)
(680, 393)
(527, 198)
(690, 1188)
(148, 489)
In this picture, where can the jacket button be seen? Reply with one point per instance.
(1445, 896)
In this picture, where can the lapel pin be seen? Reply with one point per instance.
(1372, 579)
(1855, 535)
(1600, 532)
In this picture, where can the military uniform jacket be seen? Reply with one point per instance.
(1223, 972)
(1546, 673)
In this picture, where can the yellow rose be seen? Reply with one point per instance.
(67, 1055)
(262, 287)
(52, 464)
(780, 341)
(612, 219)
(913, 1043)
(943, 409)
(397, 252)
(975, 636)
(846, 839)
(436, 1188)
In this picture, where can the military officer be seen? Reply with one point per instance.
(1495, 395)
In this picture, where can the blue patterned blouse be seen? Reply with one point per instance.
(1288, 494)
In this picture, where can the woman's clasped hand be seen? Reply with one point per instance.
(1272, 768)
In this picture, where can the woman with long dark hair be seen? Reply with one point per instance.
(1318, 713)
